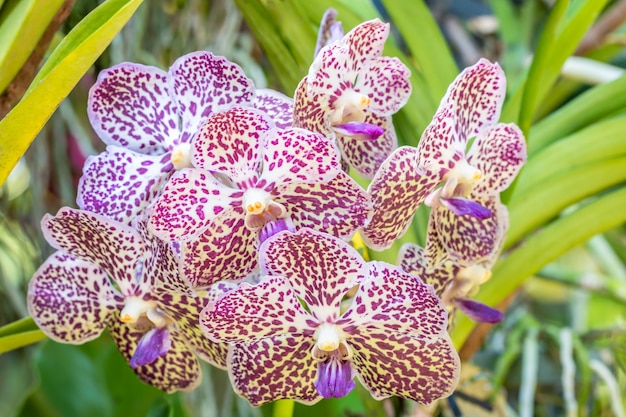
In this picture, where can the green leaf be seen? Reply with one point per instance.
(558, 40)
(553, 240)
(427, 45)
(22, 22)
(67, 64)
(21, 325)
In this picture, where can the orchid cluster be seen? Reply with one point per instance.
(217, 224)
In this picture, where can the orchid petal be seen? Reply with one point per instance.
(113, 246)
(329, 31)
(337, 207)
(298, 156)
(130, 106)
(203, 84)
(273, 368)
(397, 190)
(70, 299)
(229, 143)
(366, 41)
(276, 105)
(389, 364)
(320, 268)
(466, 207)
(412, 259)
(310, 112)
(250, 313)
(190, 201)
(478, 311)
(499, 153)
(120, 183)
(225, 251)
(466, 239)
(394, 300)
(178, 369)
(440, 147)
(366, 156)
(328, 70)
(385, 80)
(475, 98)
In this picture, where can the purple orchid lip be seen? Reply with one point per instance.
(478, 311)
(465, 207)
(365, 131)
(153, 344)
(335, 378)
(274, 227)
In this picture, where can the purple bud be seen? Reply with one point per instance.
(276, 226)
(330, 30)
(153, 344)
(464, 207)
(366, 131)
(335, 378)
(479, 312)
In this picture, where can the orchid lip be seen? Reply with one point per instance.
(366, 131)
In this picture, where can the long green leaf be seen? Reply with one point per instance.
(603, 213)
(428, 47)
(21, 325)
(68, 64)
(22, 22)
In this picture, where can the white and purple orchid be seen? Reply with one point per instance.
(248, 175)
(147, 117)
(410, 176)
(108, 274)
(351, 92)
(392, 337)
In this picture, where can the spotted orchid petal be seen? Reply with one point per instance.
(366, 41)
(225, 251)
(394, 300)
(229, 143)
(272, 368)
(366, 156)
(397, 190)
(329, 68)
(131, 106)
(466, 239)
(337, 207)
(276, 105)
(330, 30)
(120, 183)
(478, 311)
(389, 364)
(114, 247)
(202, 84)
(185, 309)
(250, 313)
(310, 112)
(176, 370)
(188, 204)
(385, 80)
(298, 156)
(499, 153)
(475, 99)
(412, 259)
(320, 268)
(71, 299)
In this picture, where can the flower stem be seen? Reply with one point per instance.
(283, 408)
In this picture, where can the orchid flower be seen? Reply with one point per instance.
(392, 337)
(350, 93)
(455, 284)
(147, 117)
(248, 175)
(106, 273)
(410, 176)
